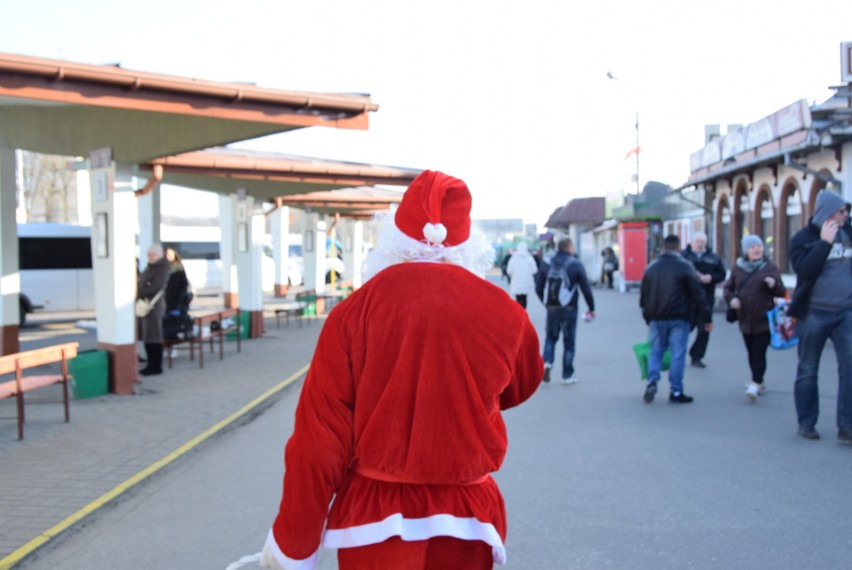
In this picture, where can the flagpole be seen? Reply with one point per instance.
(637, 153)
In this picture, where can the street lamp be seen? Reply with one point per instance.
(637, 149)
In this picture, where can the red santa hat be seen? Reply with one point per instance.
(435, 209)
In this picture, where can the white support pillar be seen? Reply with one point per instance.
(280, 224)
(353, 252)
(249, 253)
(114, 217)
(10, 279)
(230, 287)
(149, 223)
(84, 196)
(313, 253)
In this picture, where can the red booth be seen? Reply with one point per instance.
(633, 244)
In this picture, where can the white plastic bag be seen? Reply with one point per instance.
(244, 561)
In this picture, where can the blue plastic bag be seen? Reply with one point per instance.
(782, 327)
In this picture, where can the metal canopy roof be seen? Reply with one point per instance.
(358, 203)
(59, 107)
(271, 177)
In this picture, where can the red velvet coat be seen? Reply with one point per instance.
(399, 420)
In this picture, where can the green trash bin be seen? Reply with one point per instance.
(89, 373)
(245, 327)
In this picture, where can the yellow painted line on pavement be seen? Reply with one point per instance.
(41, 539)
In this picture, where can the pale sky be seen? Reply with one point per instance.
(511, 97)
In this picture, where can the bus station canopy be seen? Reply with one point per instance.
(356, 203)
(60, 107)
(285, 179)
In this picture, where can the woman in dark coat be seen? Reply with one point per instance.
(176, 322)
(751, 289)
(152, 282)
(177, 287)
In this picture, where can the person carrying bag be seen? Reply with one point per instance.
(751, 290)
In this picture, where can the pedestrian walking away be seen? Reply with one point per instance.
(559, 282)
(821, 254)
(710, 272)
(672, 301)
(751, 290)
(522, 270)
(399, 422)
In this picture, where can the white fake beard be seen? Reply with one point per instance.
(394, 247)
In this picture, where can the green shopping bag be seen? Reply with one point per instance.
(642, 350)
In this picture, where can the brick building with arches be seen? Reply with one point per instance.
(764, 178)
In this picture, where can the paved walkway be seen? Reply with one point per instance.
(59, 468)
(64, 470)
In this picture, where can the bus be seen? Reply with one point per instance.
(55, 264)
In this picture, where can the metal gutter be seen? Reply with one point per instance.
(63, 71)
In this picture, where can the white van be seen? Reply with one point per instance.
(55, 262)
(200, 252)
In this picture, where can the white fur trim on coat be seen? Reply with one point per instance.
(417, 529)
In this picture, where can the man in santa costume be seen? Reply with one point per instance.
(399, 420)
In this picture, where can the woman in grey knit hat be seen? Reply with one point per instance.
(751, 289)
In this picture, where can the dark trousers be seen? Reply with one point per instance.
(561, 320)
(756, 345)
(522, 300)
(699, 346)
(154, 351)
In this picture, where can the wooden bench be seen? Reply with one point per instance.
(20, 361)
(207, 321)
(305, 306)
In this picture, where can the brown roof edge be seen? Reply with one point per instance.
(253, 165)
(59, 70)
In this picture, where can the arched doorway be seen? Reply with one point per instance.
(723, 231)
(764, 220)
(789, 222)
(817, 186)
(741, 220)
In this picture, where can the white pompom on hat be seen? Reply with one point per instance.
(435, 209)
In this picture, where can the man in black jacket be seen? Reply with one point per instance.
(671, 299)
(710, 272)
(821, 254)
(568, 274)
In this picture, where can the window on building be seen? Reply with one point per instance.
(742, 218)
(725, 233)
(767, 216)
(794, 218)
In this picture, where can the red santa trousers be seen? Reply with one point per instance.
(437, 553)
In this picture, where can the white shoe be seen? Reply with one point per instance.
(761, 389)
(570, 380)
(752, 391)
(174, 352)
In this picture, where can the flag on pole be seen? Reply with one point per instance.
(632, 151)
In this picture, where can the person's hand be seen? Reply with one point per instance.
(704, 277)
(770, 281)
(589, 316)
(829, 230)
(735, 303)
(708, 327)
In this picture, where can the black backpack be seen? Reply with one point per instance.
(558, 290)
